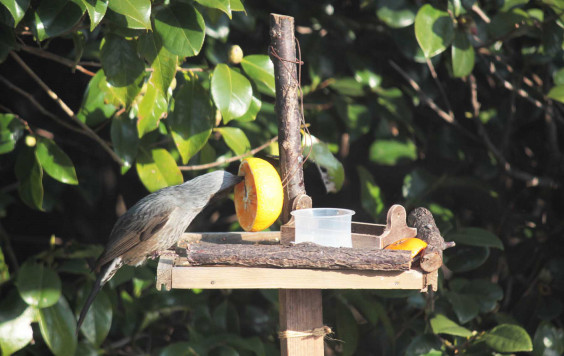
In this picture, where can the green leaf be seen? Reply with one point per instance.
(235, 139)
(557, 93)
(237, 5)
(11, 129)
(548, 340)
(558, 77)
(160, 59)
(371, 196)
(331, 169)
(4, 270)
(55, 162)
(58, 327)
(466, 258)
(423, 344)
(192, 119)
(30, 176)
(96, 11)
(98, 319)
(17, 8)
(54, 17)
(157, 169)
(120, 61)
(348, 87)
(504, 23)
(357, 118)
(182, 29)
(38, 285)
(396, 13)
(94, 110)
(152, 108)
(231, 92)
(254, 108)
(443, 325)
(434, 30)
(392, 152)
(347, 329)
(222, 5)
(474, 236)
(465, 306)
(15, 323)
(486, 293)
(135, 14)
(508, 338)
(121, 95)
(462, 55)
(125, 140)
(261, 70)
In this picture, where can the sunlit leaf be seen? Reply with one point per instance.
(135, 14)
(125, 140)
(508, 338)
(192, 119)
(222, 5)
(235, 139)
(58, 326)
(54, 17)
(462, 55)
(30, 176)
(557, 93)
(38, 285)
(254, 108)
(182, 29)
(11, 129)
(94, 109)
(120, 61)
(160, 59)
(396, 13)
(392, 152)
(55, 162)
(15, 323)
(121, 95)
(96, 11)
(261, 70)
(157, 169)
(151, 109)
(231, 92)
(434, 30)
(330, 168)
(548, 340)
(443, 325)
(17, 8)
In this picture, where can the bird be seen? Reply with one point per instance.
(154, 224)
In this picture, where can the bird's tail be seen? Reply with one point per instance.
(105, 274)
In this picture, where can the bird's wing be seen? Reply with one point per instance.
(129, 231)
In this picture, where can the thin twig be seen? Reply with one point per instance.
(41, 109)
(56, 58)
(440, 86)
(509, 128)
(430, 103)
(476, 8)
(87, 130)
(530, 179)
(229, 160)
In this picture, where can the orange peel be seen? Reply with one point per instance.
(412, 244)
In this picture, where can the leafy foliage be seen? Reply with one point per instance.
(453, 105)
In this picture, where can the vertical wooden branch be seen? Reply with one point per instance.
(283, 55)
(300, 310)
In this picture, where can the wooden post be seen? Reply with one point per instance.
(300, 310)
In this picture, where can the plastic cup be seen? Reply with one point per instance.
(324, 226)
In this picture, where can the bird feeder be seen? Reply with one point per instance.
(269, 260)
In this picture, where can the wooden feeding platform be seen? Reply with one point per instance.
(269, 260)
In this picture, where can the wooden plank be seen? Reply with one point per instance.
(261, 237)
(301, 310)
(164, 272)
(278, 278)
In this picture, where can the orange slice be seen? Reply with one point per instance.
(259, 198)
(412, 244)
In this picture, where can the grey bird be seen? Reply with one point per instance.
(154, 224)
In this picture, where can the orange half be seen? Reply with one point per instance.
(258, 198)
(412, 244)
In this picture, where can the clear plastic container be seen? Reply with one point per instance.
(324, 226)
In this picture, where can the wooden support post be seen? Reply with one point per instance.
(300, 310)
